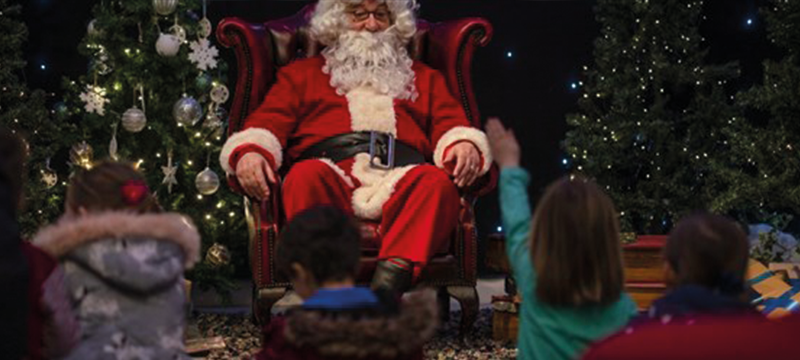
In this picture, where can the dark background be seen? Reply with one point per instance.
(524, 75)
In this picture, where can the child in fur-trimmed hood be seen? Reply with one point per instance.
(320, 250)
(124, 262)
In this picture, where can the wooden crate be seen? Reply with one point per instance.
(505, 318)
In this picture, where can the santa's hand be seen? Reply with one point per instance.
(468, 162)
(253, 171)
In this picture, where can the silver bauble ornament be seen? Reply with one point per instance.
(207, 182)
(49, 178)
(134, 120)
(92, 30)
(168, 45)
(165, 7)
(187, 111)
(218, 255)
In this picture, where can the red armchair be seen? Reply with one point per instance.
(261, 48)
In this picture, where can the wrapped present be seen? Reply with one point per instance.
(773, 294)
(505, 317)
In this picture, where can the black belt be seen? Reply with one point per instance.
(390, 151)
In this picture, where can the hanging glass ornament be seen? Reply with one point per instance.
(207, 182)
(187, 111)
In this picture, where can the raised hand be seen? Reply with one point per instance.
(505, 148)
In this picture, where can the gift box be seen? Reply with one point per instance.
(775, 291)
(505, 317)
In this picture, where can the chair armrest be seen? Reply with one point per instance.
(482, 185)
(272, 205)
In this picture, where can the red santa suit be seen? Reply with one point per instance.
(417, 205)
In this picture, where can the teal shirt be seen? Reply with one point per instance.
(548, 332)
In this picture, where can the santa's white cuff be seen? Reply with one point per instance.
(461, 133)
(259, 137)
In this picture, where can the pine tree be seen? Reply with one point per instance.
(766, 142)
(128, 76)
(25, 112)
(652, 113)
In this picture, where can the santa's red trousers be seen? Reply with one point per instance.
(417, 219)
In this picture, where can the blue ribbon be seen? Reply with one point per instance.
(764, 276)
(784, 301)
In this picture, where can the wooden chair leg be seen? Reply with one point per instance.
(467, 297)
(263, 300)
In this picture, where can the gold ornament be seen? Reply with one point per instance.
(81, 155)
(218, 255)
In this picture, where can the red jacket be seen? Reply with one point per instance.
(730, 337)
(302, 109)
(52, 328)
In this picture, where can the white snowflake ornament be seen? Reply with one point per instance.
(203, 54)
(95, 99)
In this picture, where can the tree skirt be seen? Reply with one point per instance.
(242, 338)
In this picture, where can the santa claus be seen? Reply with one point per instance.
(367, 129)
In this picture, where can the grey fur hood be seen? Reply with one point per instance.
(139, 252)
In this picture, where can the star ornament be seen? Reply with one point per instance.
(170, 172)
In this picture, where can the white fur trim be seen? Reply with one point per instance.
(458, 133)
(371, 111)
(376, 187)
(338, 170)
(261, 137)
(68, 233)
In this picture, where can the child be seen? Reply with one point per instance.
(36, 318)
(320, 250)
(124, 264)
(705, 314)
(567, 263)
(706, 260)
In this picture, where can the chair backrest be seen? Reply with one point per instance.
(263, 48)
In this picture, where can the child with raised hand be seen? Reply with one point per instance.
(124, 262)
(567, 261)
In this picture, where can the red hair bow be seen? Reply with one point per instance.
(133, 192)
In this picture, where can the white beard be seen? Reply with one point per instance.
(376, 60)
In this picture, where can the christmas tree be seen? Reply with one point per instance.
(25, 112)
(154, 96)
(652, 114)
(766, 142)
